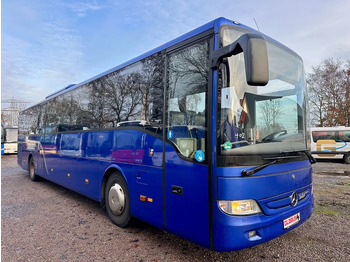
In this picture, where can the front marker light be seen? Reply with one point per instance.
(240, 207)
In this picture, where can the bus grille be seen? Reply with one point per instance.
(282, 203)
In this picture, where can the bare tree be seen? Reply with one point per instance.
(329, 93)
(96, 103)
(346, 112)
(271, 111)
(152, 87)
(123, 100)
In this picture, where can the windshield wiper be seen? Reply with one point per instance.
(275, 160)
(261, 167)
(311, 158)
(306, 152)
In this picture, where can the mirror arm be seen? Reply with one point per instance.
(227, 51)
(240, 45)
(254, 49)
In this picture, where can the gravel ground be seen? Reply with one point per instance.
(45, 222)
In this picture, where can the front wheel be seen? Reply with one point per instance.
(347, 158)
(117, 200)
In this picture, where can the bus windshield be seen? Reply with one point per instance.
(257, 121)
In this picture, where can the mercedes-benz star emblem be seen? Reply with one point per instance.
(294, 199)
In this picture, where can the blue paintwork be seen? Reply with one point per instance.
(80, 161)
(231, 232)
(274, 184)
(271, 188)
(186, 214)
(71, 158)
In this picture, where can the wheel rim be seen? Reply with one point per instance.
(347, 159)
(116, 199)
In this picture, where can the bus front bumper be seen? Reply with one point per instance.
(239, 232)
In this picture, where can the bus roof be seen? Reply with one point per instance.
(213, 25)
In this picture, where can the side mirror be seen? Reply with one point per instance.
(254, 49)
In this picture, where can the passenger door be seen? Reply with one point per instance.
(186, 170)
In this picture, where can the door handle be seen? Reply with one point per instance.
(176, 190)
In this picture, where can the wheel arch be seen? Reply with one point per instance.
(108, 172)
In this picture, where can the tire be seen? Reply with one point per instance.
(347, 158)
(117, 200)
(31, 169)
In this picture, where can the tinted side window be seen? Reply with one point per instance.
(135, 95)
(99, 144)
(323, 135)
(132, 96)
(344, 136)
(70, 144)
(31, 120)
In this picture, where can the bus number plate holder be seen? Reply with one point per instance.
(290, 221)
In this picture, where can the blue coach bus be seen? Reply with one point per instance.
(203, 137)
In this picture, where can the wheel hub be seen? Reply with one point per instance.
(116, 199)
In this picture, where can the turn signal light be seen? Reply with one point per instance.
(143, 198)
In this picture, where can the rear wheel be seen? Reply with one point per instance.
(347, 158)
(32, 174)
(117, 200)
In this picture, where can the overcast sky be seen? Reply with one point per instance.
(47, 45)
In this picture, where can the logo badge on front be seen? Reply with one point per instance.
(294, 199)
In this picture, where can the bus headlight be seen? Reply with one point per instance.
(240, 207)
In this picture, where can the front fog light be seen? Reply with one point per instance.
(252, 234)
(240, 208)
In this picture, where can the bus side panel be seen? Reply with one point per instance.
(90, 174)
(148, 181)
(330, 142)
(10, 148)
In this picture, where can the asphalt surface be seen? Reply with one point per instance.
(41, 221)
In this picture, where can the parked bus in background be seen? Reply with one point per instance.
(180, 138)
(331, 143)
(9, 137)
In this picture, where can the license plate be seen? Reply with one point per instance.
(290, 221)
